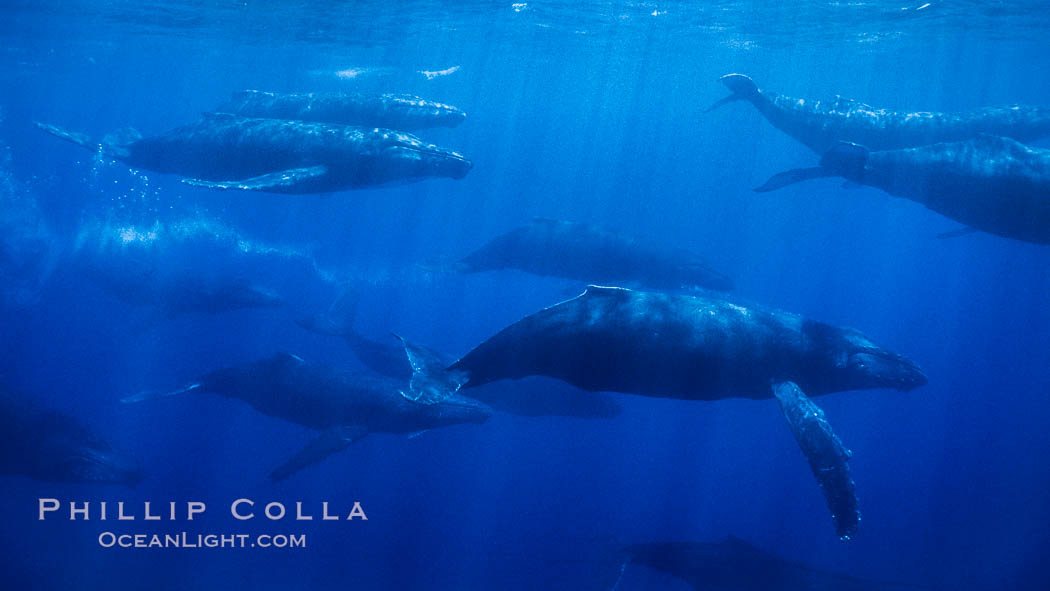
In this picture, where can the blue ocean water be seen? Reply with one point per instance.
(591, 112)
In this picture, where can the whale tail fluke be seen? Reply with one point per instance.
(152, 395)
(431, 381)
(742, 87)
(79, 139)
(790, 177)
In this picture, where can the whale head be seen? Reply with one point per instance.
(849, 360)
(409, 158)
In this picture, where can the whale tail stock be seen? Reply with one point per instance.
(152, 395)
(431, 381)
(845, 159)
(742, 87)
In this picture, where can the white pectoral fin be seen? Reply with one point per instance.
(327, 443)
(274, 181)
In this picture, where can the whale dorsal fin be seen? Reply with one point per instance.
(607, 291)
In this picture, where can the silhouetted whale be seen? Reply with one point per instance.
(529, 397)
(821, 124)
(343, 406)
(392, 111)
(224, 151)
(182, 293)
(676, 346)
(992, 184)
(47, 445)
(591, 254)
(737, 565)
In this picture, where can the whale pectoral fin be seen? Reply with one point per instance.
(274, 181)
(828, 458)
(329, 442)
(150, 395)
(790, 177)
(957, 233)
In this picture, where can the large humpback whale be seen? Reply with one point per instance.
(392, 111)
(591, 254)
(48, 445)
(226, 151)
(679, 346)
(343, 406)
(992, 184)
(736, 565)
(529, 397)
(821, 124)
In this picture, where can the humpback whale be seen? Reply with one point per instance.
(224, 151)
(529, 397)
(737, 565)
(592, 254)
(821, 124)
(992, 184)
(343, 406)
(182, 293)
(392, 111)
(677, 346)
(44, 444)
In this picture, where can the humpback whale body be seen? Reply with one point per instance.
(691, 348)
(678, 346)
(391, 111)
(591, 254)
(822, 124)
(532, 397)
(736, 565)
(992, 184)
(48, 445)
(343, 406)
(224, 151)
